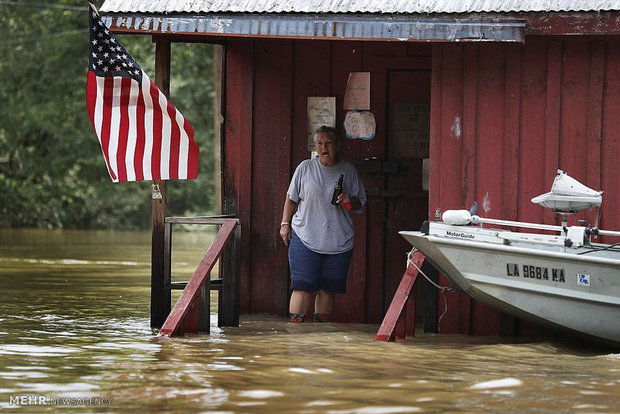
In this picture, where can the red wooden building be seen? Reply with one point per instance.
(496, 96)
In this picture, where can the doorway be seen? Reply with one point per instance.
(406, 196)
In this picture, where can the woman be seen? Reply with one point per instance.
(320, 234)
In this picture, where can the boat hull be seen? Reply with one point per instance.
(574, 292)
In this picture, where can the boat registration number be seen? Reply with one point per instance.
(535, 272)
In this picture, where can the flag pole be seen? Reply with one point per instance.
(160, 295)
(135, 140)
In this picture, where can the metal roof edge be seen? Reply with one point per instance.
(364, 26)
(358, 6)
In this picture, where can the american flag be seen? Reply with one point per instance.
(142, 135)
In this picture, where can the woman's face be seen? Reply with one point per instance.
(327, 149)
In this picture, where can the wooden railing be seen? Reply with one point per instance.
(191, 313)
(395, 322)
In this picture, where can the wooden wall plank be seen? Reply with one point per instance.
(540, 135)
(470, 115)
(594, 120)
(512, 135)
(459, 304)
(512, 131)
(447, 149)
(434, 196)
(347, 57)
(490, 189)
(574, 112)
(373, 181)
(610, 183)
(451, 138)
(271, 149)
(311, 77)
(532, 130)
(238, 150)
(435, 154)
(491, 116)
(552, 119)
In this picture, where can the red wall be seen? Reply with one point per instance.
(267, 85)
(509, 116)
(506, 115)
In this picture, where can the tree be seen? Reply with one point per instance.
(52, 173)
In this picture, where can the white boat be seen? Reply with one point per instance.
(564, 279)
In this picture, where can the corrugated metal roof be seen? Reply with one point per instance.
(356, 6)
(360, 27)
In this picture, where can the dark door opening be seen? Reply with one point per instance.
(406, 195)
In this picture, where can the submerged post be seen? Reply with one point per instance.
(228, 304)
(160, 296)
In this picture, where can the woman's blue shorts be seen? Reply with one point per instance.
(311, 271)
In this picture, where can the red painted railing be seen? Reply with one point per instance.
(184, 316)
(393, 324)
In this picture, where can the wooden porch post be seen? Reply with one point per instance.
(160, 295)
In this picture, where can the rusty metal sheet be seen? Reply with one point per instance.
(356, 6)
(361, 27)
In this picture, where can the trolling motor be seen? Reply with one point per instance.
(567, 196)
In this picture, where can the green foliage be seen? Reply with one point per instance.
(52, 172)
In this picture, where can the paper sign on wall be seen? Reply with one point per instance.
(360, 125)
(357, 93)
(411, 129)
(321, 112)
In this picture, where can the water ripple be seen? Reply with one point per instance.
(79, 262)
(36, 351)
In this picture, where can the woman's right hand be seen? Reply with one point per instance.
(285, 233)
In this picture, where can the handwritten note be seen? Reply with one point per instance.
(411, 129)
(357, 93)
(360, 125)
(321, 112)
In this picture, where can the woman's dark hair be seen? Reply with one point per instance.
(328, 130)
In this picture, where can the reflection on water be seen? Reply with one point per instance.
(74, 324)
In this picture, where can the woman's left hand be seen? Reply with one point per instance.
(344, 198)
(345, 201)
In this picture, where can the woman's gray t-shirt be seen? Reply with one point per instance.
(321, 226)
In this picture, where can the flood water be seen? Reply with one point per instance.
(74, 333)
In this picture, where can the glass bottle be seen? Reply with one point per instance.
(337, 190)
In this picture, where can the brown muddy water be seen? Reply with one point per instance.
(75, 335)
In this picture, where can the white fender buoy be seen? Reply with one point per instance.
(456, 217)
